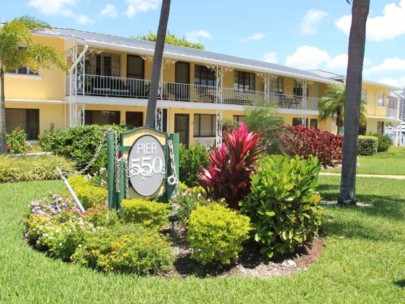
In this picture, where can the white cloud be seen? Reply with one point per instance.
(196, 35)
(83, 19)
(338, 62)
(399, 83)
(109, 10)
(271, 57)
(389, 25)
(309, 25)
(388, 65)
(255, 36)
(140, 6)
(308, 58)
(53, 7)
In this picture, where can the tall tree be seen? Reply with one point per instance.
(17, 49)
(172, 39)
(357, 42)
(332, 106)
(157, 64)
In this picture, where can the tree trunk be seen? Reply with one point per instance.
(3, 148)
(357, 42)
(157, 64)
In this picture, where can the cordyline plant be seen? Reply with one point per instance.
(228, 176)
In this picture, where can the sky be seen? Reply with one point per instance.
(305, 34)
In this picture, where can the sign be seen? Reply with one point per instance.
(146, 165)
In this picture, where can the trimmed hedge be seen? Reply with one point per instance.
(367, 145)
(88, 195)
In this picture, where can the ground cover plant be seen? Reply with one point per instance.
(363, 260)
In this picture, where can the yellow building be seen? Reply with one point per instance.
(109, 80)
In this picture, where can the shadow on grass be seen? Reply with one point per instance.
(400, 283)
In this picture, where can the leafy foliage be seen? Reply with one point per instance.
(367, 145)
(125, 249)
(283, 205)
(192, 159)
(187, 201)
(18, 169)
(384, 142)
(231, 165)
(147, 213)
(87, 194)
(17, 141)
(79, 144)
(216, 234)
(303, 141)
(172, 39)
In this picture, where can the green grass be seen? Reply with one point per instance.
(391, 162)
(363, 261)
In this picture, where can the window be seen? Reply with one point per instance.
(380, 127)
(204, 76)
(135, 67)
(25, 119)
(102, 117)
(298, 90)
(22, 70)
(239, 118)
(277, 85)
(104, 65)
(313, 123)
(298, 121)
(244, 82)
(381, 98)
(204, 125)
(364, 94)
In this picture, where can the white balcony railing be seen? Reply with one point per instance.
(95, 85)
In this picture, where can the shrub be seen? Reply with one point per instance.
(126, 249)
(216, 234)
(384, 142)
(80, 144)
(367, 145)
(18, 169)
(283, 205)
(303, 141)
(192, 159)
(100, 216)
(87, 194)
(147, 213)
(187, 201)
(231, 165)
(16, 141)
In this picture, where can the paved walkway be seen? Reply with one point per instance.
(367, 175)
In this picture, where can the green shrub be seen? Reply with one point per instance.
(87, 194)
(147, 213)
(30, 168)
(100, 216)
(187, 201)
(283, 205)
(80, 144)
(192, 159)
(216, 233)
(16, 141)
(384, 142)
(125, 249)
(367, 145)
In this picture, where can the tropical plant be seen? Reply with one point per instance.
(13, 35)
(191, 160)
(332, 106)
(157, 64)
(17, 141)
(172, 39)
(231, 165)
(357, 42)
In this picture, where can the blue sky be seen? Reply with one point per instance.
(306, 34)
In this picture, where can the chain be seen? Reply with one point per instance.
(117, 164)
(172, 179)
(126, 177)
(96, 154)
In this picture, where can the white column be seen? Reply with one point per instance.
(219, 74)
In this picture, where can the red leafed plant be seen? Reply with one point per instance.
(228, 175)
(303, 141)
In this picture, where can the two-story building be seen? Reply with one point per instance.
(109, 79)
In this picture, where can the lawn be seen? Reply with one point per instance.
(391, 162)
(363, 261)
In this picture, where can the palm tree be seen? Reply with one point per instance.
(332, 105)
(357, 41)
(13, 35)
(157, 64)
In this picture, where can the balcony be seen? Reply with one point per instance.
(104, 86)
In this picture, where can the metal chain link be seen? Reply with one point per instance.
(126, 176)
(172, 179)
(96, 154)
(117, 164)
